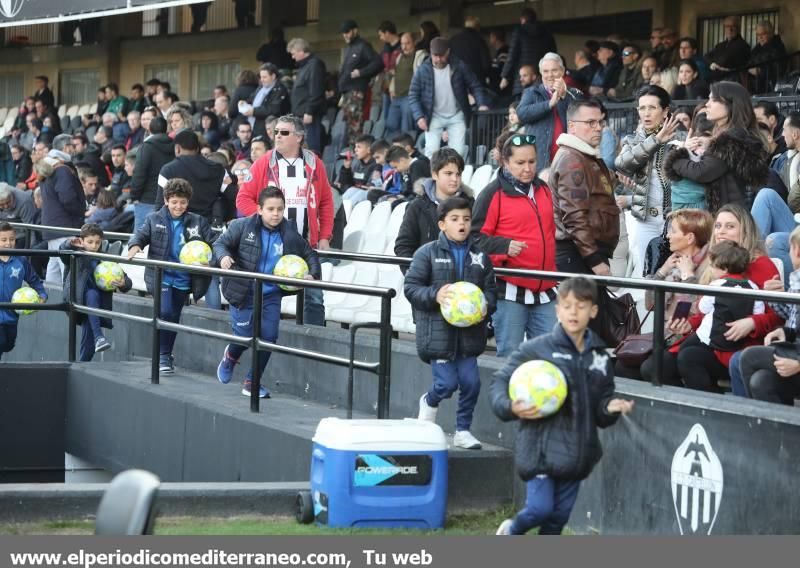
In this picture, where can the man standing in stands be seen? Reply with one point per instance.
(302, 177)
(470, 47)
(728, 55)
(156, 151)
(360, 63)
(43, 92)
(529, 42)
(308, 92)
(587, 216)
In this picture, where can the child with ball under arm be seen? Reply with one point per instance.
(256, 244)
(451, 351)
(166, 231)
(553, 454)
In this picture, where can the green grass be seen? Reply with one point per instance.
(465, 524)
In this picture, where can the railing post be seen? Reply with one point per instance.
(72, 339)
(155, 353)
(385, 357)
(255, 385)
(658, 338)
(300, 307)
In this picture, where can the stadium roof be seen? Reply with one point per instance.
(24, 12)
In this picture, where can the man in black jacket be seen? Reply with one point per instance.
(360, 63)
(156, 151)
(271, 99)
(308, 92)
(529, 42)
(730, 54)
(469, 46)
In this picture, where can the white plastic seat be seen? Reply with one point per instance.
(73, 111)
(392, 229)
(92, 109)
(481, 178)
(358, 217)
(366, 274)
(466, 175)
(83, 110)
(348, 208)
(62, 111)
(344, 274)
(352, 242)
(10, 118)
(3, 114)
(375, 231)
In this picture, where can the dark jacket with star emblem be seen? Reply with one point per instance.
(564, 445)
(586, 211)
(242, 242)
(157, 232)
(434, 266)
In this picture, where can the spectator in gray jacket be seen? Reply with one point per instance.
(17, 206)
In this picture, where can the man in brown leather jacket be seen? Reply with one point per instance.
(587, 216)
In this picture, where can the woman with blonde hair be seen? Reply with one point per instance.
(178, 118)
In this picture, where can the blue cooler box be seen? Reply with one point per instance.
(379, 473)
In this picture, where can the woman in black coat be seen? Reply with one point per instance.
(246, 85)
(690, 86)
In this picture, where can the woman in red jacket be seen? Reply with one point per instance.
(513, 223)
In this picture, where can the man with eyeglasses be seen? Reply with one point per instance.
(730, 54)
(302, 177)
(586, 212)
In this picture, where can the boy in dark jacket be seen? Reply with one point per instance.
(256, 244)
(14, 271)
(553, 454)
(355, 175)
(166, 231)
(451, 351)
(92, 338)
(420, 222)
(400, 178)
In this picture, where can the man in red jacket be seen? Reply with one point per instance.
(309, 199)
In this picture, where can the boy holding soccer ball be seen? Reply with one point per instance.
(451, 351)
(256, 244)
(554, 453)
(87, 291)
(166, 231)
(14, 272)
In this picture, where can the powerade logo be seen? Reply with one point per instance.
(373, 469)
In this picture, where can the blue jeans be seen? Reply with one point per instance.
(456, 127)
(771, 213)
(548, 504)
(242, 326)
(90, 329)
(735, 372)
(777, 245)
(172, 302)
(399, 118)
(513, 321)
(449, 376)
(355, 195)
(8, 337)
(313, 307)
(140, 213)
(213, 296)
(314, 136)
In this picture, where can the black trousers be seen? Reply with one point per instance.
(699, 367)
(758, 371)
(669, 372)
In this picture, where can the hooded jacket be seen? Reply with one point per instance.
(433, 267)
(358, 54)
(564, 445)
(586, 211)
(502, 214)
(265, 172)
(154, 153)
(63, 200)
(733, 168)
(204, 176)
(421, 221)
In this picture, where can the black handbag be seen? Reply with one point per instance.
(616, 319)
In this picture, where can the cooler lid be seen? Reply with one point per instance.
(407, 435)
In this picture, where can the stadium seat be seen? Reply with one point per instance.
(10, 118)
(481, 178)
(90, 132)
(466, 175)
(375, 112)
(366, 274)
(75, 123)
(367, 127)
(375, 229)
(3, 114)
(358, 217)
(65, 122)
(379, 129)
(392, 229)
(348, 208)
(62, 111)
(128, 506)
(92, 109)
(73, 110)
(85, 109)
(352, 242)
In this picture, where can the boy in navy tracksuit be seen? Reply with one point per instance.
(256, 244)
(451, 351)
(92, 338)
(14, 271)
(166, 231)
(553, 454)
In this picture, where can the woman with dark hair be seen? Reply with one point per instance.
(246, 86)
(690, 86)
(513, 221)
(642, 159)
(427, 31)
(735, 163)
(209, 129)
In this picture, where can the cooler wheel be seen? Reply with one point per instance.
(304, 508)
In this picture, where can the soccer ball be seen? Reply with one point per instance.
(290, 266)
(467, 307)
(539, 383)
(195, 253)
(106, 274)
(25, 295)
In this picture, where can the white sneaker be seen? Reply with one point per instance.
(504, 529)
(464, 439)
(427, 413)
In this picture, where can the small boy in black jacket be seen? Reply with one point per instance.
(553, 454)
(92, 338)
(451, 351)
(256, 244)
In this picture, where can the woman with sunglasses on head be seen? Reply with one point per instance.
(735, 163)
(543, 108)
(513, 222)
(641, 160)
